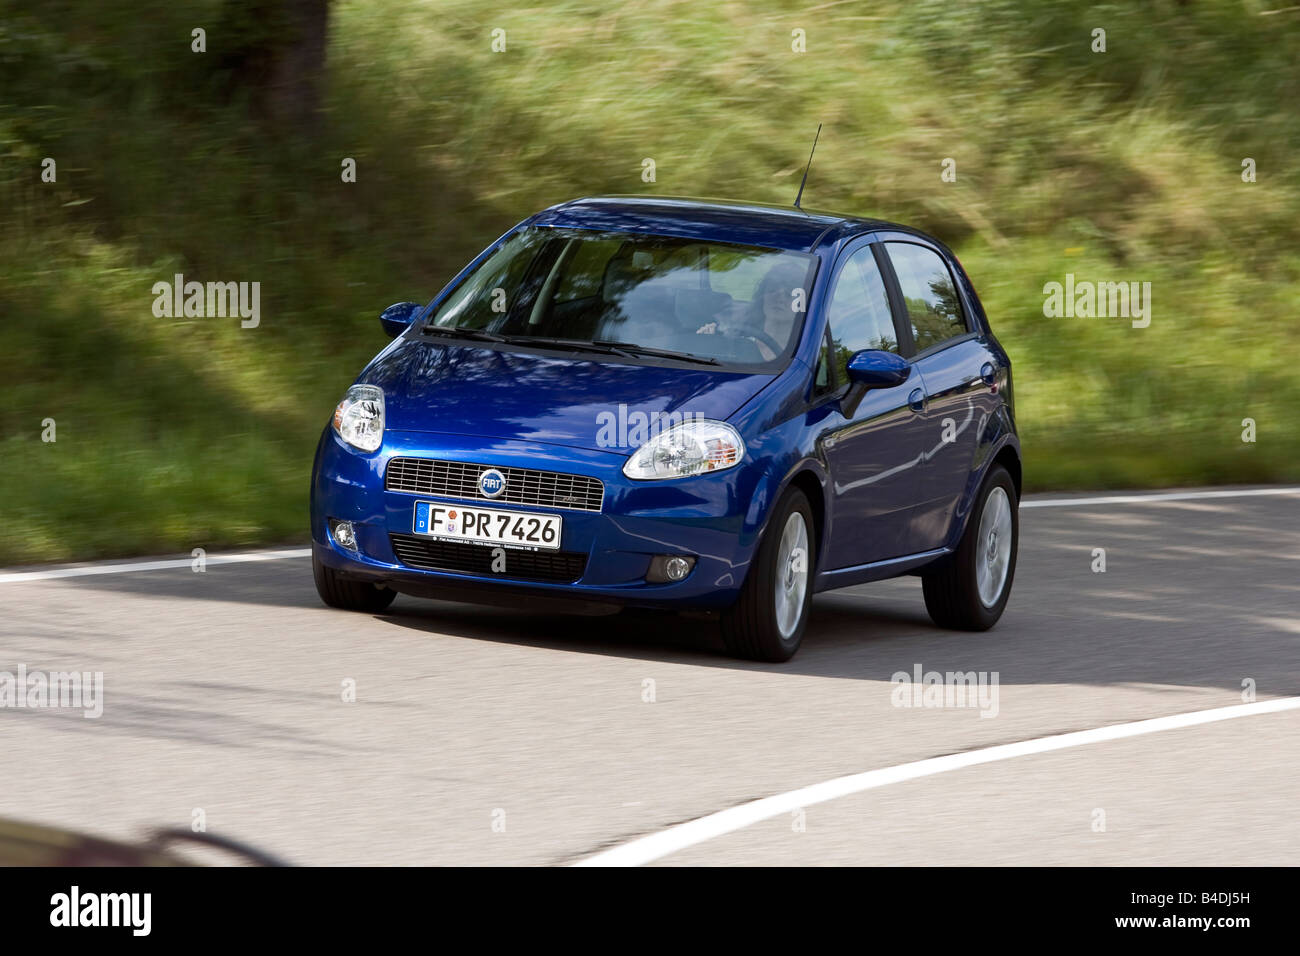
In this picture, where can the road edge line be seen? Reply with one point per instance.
(663, 843)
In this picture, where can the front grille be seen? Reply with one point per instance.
(524, 486)
(426, 554)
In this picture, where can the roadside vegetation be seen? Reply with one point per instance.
(173, 433)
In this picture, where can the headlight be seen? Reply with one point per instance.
(691, 448)
(359, 419)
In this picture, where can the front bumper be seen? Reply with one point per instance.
(712, 517)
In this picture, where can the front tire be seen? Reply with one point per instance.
(337, 591)
(969, 592)
(767, 621)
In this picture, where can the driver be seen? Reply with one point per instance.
(769, 319)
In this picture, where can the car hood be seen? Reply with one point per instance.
(546, 397)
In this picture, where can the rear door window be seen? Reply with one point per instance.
(933, 306)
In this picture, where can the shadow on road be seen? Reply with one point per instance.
(1193, 594)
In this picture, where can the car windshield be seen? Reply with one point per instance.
(636, 295)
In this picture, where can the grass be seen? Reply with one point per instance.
(181, 433)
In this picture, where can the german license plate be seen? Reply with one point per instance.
(484, 526)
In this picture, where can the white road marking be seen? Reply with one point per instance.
(657, 845)
(82, 570)
(1163, 496)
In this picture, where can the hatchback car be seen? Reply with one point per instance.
(680, 404)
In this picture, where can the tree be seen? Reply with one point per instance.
(274, 52)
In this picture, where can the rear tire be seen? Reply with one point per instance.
(970, 590)
(768, 619)
(337, 591)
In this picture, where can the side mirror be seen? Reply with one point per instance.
(396, 319)
(874, 368)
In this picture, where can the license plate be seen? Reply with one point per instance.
(484, 526)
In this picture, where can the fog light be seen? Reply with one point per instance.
(345, 535)
(669, 567)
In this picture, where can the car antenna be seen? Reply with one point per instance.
(808, 167)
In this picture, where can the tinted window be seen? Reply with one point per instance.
(581, 280)
(930, 296)
(476, 302)
(737, 304)
(858, 313)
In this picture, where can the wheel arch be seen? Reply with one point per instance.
(808, 474)
(1009, 458)
(1005, 452)
(807, 481)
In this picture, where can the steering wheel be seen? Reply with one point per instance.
(758, 335)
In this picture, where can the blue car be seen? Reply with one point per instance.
(679, 404)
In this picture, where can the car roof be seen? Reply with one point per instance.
(720, 220)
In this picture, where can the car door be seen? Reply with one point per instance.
(959, 369)
(874, 440)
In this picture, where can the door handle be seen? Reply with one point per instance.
(916, 400)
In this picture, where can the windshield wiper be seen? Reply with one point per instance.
(658, 353)
(454, 332)
(601, 346)
(578, 345)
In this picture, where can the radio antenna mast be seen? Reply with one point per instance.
(808, 167)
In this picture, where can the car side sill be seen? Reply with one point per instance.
(876, 570)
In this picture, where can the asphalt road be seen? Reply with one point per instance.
(488, 736)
